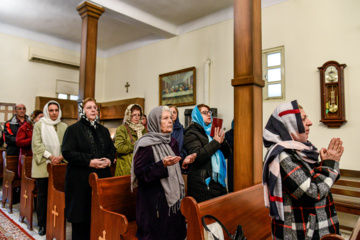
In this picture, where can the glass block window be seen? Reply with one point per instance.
(274, 73)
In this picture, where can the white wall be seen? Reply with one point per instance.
(314, 32)
(142, 67)
(21, 80)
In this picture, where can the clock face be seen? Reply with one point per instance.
(331, 74)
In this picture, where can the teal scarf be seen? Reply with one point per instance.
(218, 163)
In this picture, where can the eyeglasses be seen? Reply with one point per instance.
(19, 108)
(135, 115)
(207, 112)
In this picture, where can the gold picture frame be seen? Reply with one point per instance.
(178, 88)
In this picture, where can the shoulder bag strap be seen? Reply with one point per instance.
(131, 137)
(217, 220)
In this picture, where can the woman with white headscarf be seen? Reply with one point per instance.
(157, 172)
(46, 145)
(126, 136)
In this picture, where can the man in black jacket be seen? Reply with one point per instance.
(12, 126)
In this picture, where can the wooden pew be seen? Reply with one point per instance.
(355, 235)
(346, 192)
(1, 163)
(55, 218)
(10, 179)
(113, 208)
(28, 192)
(245, 207)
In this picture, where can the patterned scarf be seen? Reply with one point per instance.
(218, 163)
(83, 116)
(137, 127)
(284, 130)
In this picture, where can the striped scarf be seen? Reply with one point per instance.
(284, 130)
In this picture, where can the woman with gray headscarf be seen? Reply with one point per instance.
(156, 169)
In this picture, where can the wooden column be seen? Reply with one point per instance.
(90, 15)
(248, 86)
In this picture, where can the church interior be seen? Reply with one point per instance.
(137, 41)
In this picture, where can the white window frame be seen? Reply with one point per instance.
(265, 69)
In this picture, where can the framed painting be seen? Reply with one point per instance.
(178, 88)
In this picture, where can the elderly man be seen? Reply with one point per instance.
(12, 126)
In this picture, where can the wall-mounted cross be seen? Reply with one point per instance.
(26, 197)
(7, 187)
(55, 214)
(127, 85)
(103, 237)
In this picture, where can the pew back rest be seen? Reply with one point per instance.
(26, 165)
(10, 163)
(245, 207)
(1, 162)
(58, 175)
(114, 194)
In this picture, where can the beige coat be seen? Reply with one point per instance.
(39, 162)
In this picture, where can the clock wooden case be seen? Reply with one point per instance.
(332, 94)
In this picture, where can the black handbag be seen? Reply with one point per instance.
(239, 234)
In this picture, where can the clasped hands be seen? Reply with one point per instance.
(56, 160)
(100, 163)
(334, 150)
(170, 160)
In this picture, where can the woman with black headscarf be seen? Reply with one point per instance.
(178, 128)
(88, 148)
(157, 172)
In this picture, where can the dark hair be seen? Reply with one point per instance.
(34, 114)
(144, 115)
(89, 99)
(136, 107)
(177, 110)
(203, 105)
(54, 103)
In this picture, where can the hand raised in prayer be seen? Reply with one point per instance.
(334, 150)
(170, 160)
(188, 160)
(219, 135)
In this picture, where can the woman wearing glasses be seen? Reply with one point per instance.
(126, 136)
(206, 178)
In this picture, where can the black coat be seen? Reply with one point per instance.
(196, 141)
(82, 143)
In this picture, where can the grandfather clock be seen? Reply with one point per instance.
(332, 94)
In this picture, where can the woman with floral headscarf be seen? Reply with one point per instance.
(47, 137)
(296, 184)
(206, 178)
(126, 136)
(88, 148)
(157, 172)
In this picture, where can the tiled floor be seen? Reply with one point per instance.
(34, 232)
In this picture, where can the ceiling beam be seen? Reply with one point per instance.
(139, 18)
